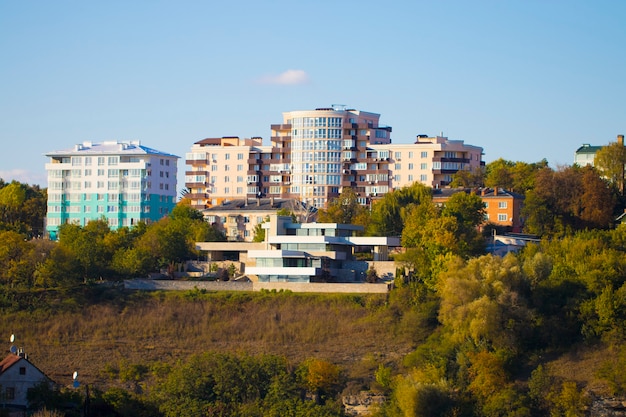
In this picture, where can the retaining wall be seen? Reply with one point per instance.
(153, 285)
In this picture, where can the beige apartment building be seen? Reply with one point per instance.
(314, 154)
(430, 160)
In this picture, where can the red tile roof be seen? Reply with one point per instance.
(9, 361)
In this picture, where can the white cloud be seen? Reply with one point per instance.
(25, 177)
(289, 77)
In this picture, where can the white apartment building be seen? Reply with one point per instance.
(123, 182)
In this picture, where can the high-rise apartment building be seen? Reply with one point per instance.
(122, 182)
(314, 154)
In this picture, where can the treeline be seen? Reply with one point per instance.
(486, 329)
(207, 384)
(556, 202)
(95, 252)
(497, 318)
(22, 208)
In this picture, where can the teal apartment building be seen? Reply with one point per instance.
(122, 182)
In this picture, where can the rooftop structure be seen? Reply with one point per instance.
(122, 182)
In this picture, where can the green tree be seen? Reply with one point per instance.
(60, 268)
(610, 161)
(12, 198)
(468, 209)
(87, 245)
(320, 377)
(17, 260)
(567, 200)
(468, 179)
(499, 174)
(513, 176)
(482, 301)
(390, 212)
(344, 209)
(259, 231)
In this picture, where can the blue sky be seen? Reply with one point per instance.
(526, 80)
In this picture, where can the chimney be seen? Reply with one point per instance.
(482, 192)
(620, 139)
(272, 202)
(495, 191)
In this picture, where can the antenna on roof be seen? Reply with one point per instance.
(12, 349)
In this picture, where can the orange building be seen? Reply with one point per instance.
(502, 208)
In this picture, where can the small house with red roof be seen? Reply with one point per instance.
(17, 376)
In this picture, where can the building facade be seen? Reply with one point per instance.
(304, 252)
(122, 182)
(17, 376)
(314, 154)
(431, 161)
(586, 154)
(239, 218)
(502, 208)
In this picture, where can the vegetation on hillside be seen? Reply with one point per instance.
(461, 334)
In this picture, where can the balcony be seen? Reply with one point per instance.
(197, 162)
(197, 196)
(280, 139)
(458, 160)
(205, 173)
(280, 127)
(196, 184)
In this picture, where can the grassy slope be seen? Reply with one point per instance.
(90, 330)
(65, 335)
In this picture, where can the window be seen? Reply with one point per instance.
(410, 166)
(410, 154)
(10, 393)
(227, 156)
(410, 177)
(423, 177)
(423, 166)
(502, 204)
(22, 370)
(502, 217)
(424, 154)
